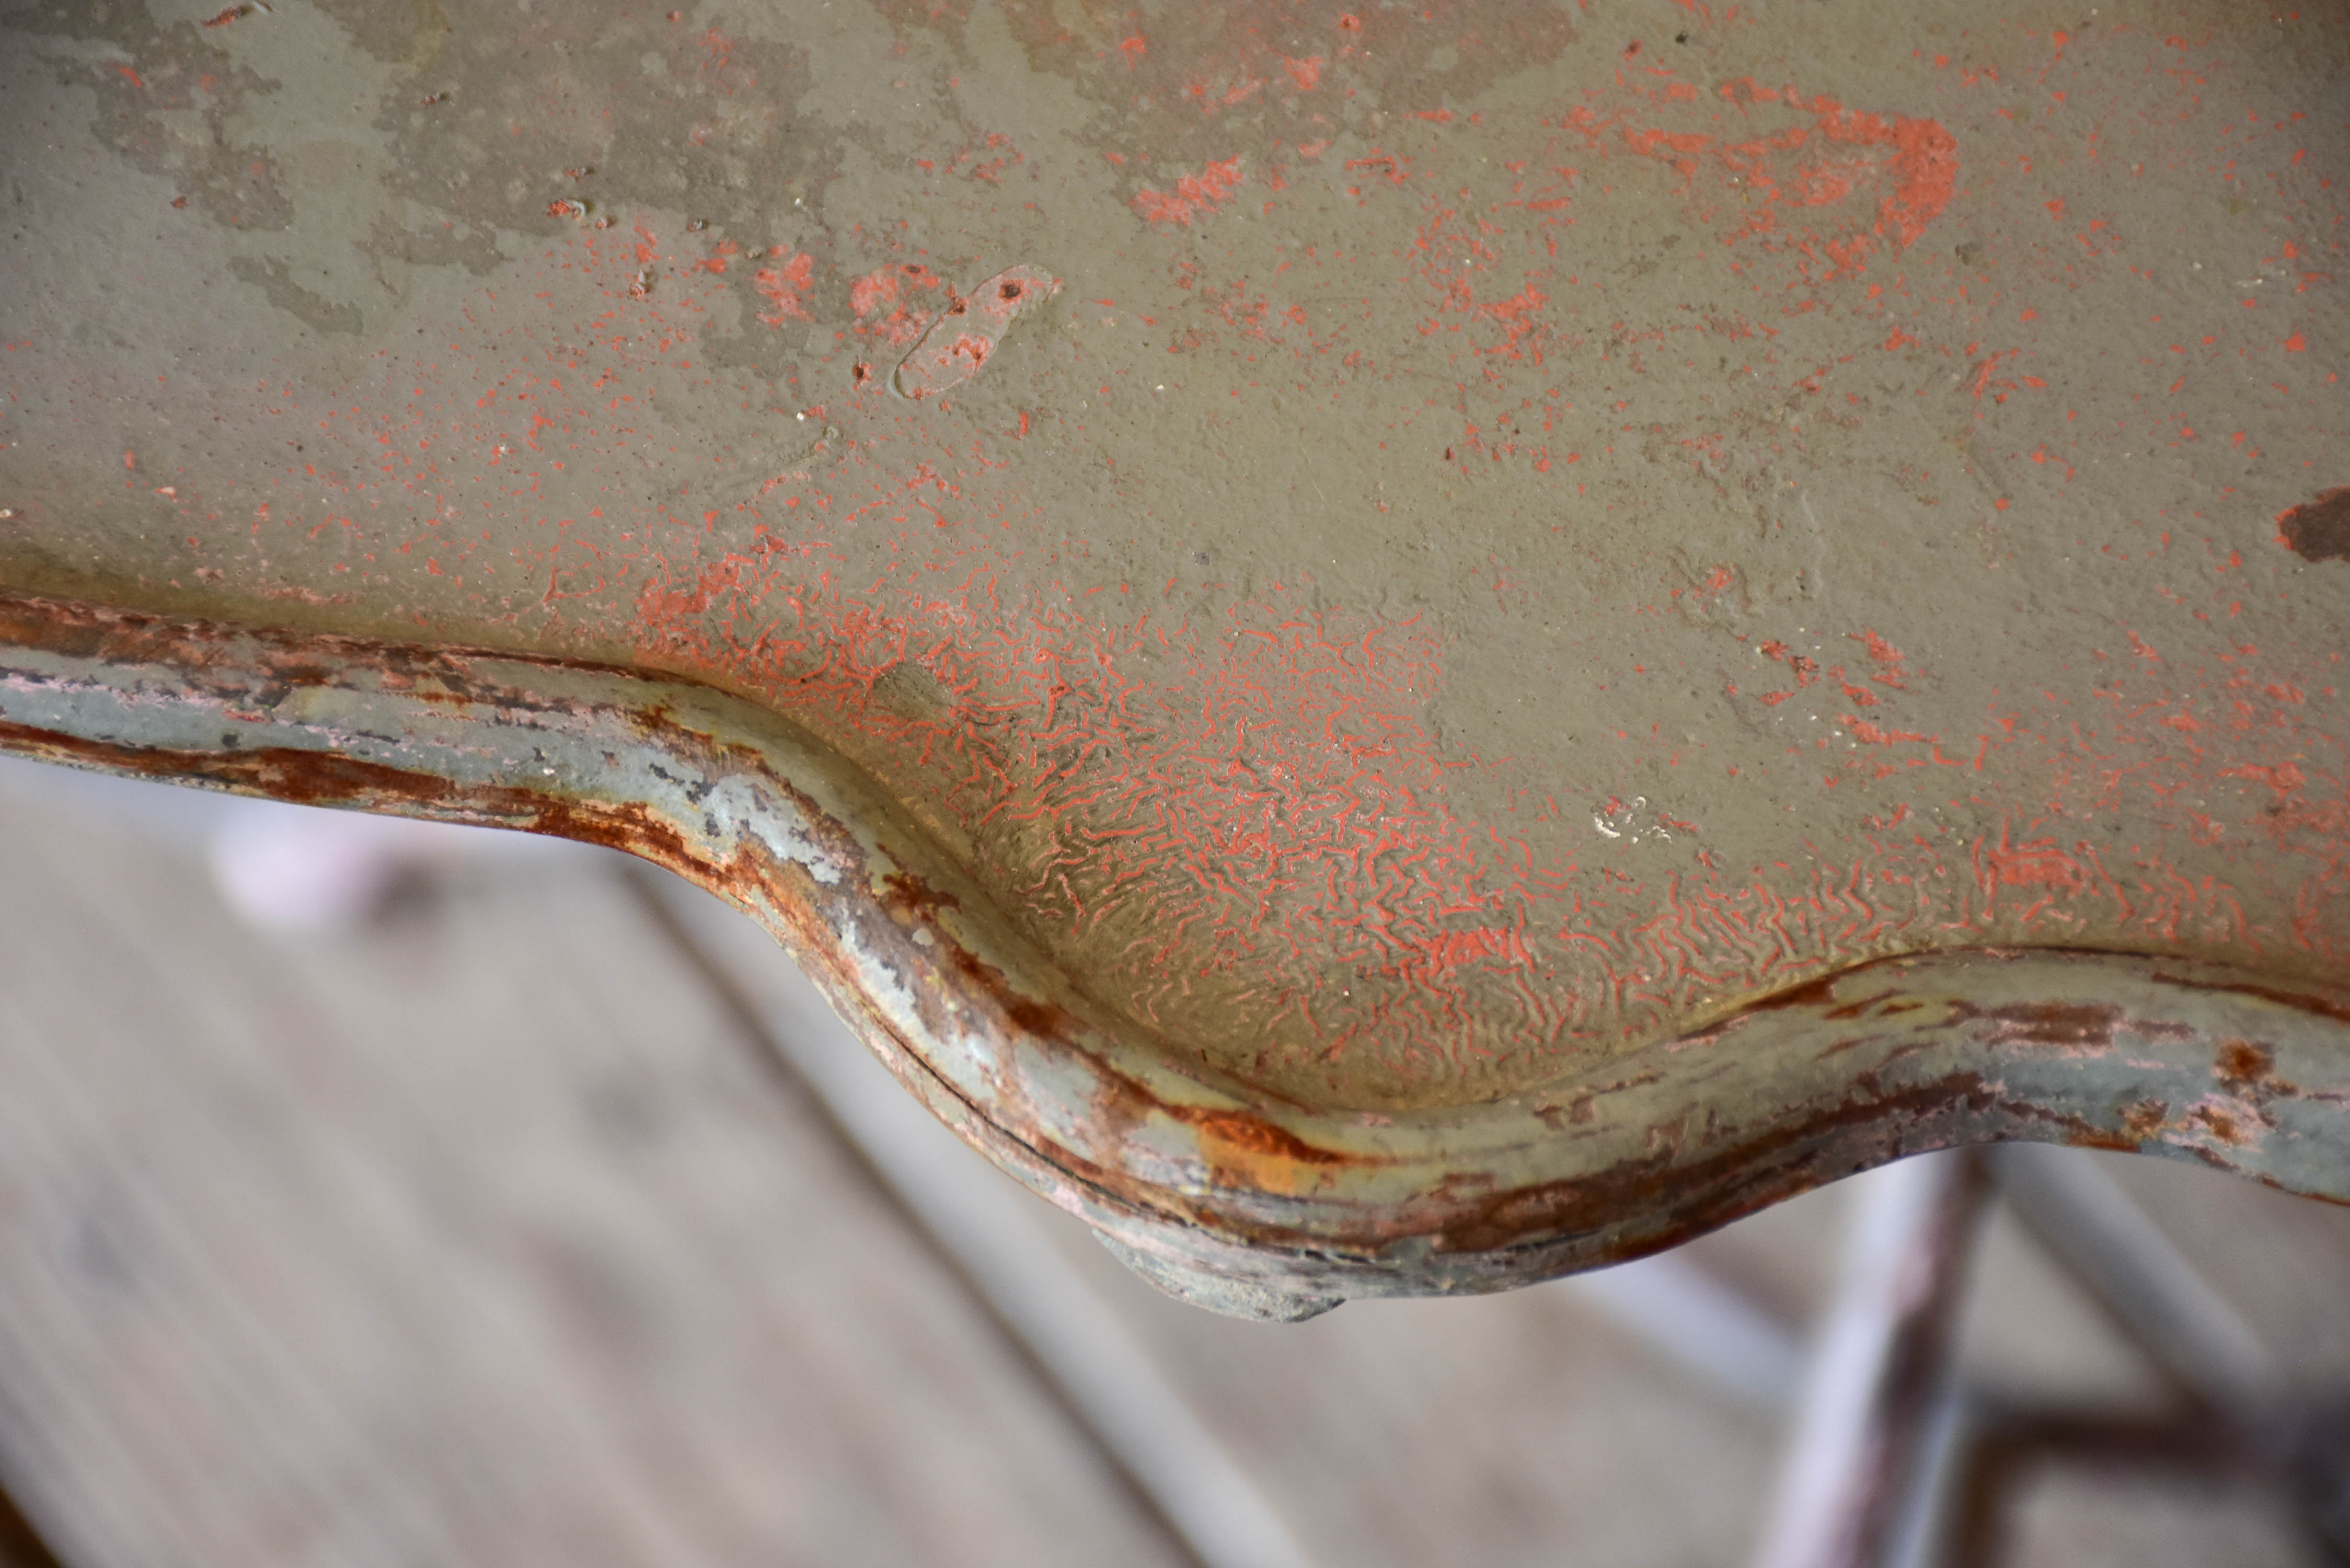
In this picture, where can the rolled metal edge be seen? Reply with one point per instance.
(1221, 1192)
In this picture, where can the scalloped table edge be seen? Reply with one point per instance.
(1230, 1199)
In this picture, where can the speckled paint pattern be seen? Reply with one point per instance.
(1495, 536)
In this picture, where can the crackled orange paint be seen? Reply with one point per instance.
(1193, 196)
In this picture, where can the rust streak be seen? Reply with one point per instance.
(2299, 1002)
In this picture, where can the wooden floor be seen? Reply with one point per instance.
(494, 1231)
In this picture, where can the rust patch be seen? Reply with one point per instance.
(2245, 1064)
(2219, 1124)
(2299, 1001)
(222, 660)
(1044, 1019)
(2318, 529)
(1242, 1148)
(1251, 1154)
(2045, 1023)
(1856, 1009)
(1580, 1109)
(1811, 993)
(2142, 1119)
(908, 895)
(329, 779)
(1710, 1192)
(1243, 1151)
(1244, 1133)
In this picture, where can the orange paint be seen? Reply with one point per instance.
(1194, 194)
(785, 287)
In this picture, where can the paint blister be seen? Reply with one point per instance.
(961, 341)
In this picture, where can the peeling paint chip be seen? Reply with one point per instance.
(2318, 530)
(960, 341)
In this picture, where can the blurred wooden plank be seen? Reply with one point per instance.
(999, 1235)
(480, 1239)
(2072, 1516)
(1519, 1428)
(2282, 1262)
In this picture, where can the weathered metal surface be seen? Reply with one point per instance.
(1502, 570)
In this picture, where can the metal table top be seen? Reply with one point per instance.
(1389, 648)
